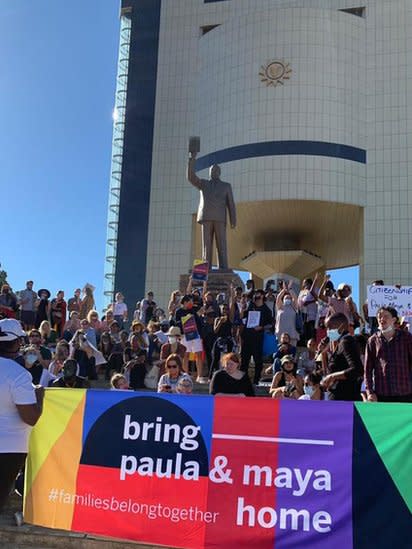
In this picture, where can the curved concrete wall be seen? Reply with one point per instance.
(321, 107)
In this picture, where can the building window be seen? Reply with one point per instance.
(360, 12)
(207, 28)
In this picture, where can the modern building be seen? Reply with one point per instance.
(307, 107)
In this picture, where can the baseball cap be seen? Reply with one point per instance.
(343, 285)
(287, 358)
(10, 329)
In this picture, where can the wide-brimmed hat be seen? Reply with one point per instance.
(10, 329)
(174, 331)
(287, 358)
(44, 291)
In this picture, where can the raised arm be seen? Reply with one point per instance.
(279, 299)
(322, 289)
(191, 174)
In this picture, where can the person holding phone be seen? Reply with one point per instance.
(168, 382)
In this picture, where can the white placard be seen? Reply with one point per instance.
(390, 296)
(253, 319)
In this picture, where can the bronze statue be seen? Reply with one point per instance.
(215, 198)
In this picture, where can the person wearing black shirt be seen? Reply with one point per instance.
(192, 344)
(345, 365)
(252, 338)
(230, 380)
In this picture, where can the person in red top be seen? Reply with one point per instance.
(388, 361)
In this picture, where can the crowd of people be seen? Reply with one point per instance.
(314, 341)
(311, 344)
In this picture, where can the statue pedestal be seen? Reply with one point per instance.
(219, 281)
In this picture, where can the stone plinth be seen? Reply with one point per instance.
(219, 281)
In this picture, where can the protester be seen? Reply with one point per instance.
(173, 305)
(307, 304)
(231, 379)
(388, 361)
(71, 326)
(118, 381)
(136, 367)
(307, 359)
(106, 321)
(88, 331)
(43, 307)
(287, 383)
(87, 303)
(48, 336)
(286, 314)
(20, 407)
(61, 354)
(74, 303)
(82, 353)
(8, 302)
(168, 382)
(28, 304)
(173, 346)
(252, 336)
(193, 343)
(95, 324)
(119, 309)
(312, 387)
(58, 307)
(147, 308)
(345, 369)
(44, 355)
(70, 378)
(285, 348)
(139, 329)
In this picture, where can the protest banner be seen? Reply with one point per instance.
(190, 327)
(390, 296)
(200, 471)
(200, 270)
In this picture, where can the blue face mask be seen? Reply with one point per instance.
(309, 390)
(334, 334)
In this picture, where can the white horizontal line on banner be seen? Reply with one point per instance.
(314, 442)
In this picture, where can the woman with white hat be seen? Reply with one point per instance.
(173, 346)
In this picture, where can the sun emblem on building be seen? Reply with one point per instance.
(274, 73)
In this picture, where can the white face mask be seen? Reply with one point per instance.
(334, 334)
(388, 330)
(287, 302)
(172, 339)
(309, 390)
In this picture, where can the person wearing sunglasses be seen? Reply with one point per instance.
(169, 381)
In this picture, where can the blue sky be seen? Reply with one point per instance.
(58, 65)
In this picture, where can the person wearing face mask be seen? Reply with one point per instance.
(252, 337)
(40, 376)
(312, 388)
(345, 369)
(286, 313)
(388, 361)
(287, 383)
(172, 346)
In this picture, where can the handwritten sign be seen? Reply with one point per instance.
(390, 296)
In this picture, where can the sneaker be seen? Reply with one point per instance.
(202, 380)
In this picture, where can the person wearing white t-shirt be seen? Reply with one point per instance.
(119, 309)
(20, 407)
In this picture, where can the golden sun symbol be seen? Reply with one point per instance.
(274, 73)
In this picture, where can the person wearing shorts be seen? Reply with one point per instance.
(193, 344)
